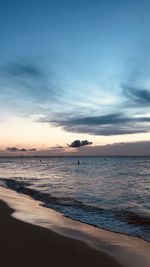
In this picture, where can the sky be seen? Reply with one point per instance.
(74, 70)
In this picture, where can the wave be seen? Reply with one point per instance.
(133, 217)
(23, 187)
(124, 220)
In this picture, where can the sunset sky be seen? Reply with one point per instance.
(74, 70)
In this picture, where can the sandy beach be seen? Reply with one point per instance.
(32, 235)
(22, 244)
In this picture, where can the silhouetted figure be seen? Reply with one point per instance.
(78, 162)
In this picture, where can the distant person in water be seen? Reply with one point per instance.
(78, 162)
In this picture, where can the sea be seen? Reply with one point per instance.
(112, 193)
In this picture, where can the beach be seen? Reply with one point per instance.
(22, 244)
(34, 235)
(74, 133)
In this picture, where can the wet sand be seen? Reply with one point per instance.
(23, 244)
(32, 234)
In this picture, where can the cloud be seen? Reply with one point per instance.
(32, 90)
(110, 124)
(15, 149)
(78, 143)
(22, 69)
(136, 83)
(28, 88)
(138, 96)
(116, 149)
(32, 149)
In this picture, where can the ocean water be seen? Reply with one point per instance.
(111, 193)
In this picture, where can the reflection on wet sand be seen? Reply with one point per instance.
(129, 251)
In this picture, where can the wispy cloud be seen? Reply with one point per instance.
(28, 87)
(137, 96)
(111, 124)
(136, 83)
(22, 69)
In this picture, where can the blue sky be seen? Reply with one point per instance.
(78, 66)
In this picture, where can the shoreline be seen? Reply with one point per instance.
(23, 244)
(39, 196)
(127, 251)
(34, 194)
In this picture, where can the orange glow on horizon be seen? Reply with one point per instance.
(23, 132)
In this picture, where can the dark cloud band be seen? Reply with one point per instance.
(15, 149)
(78, 143)
(111, 124)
